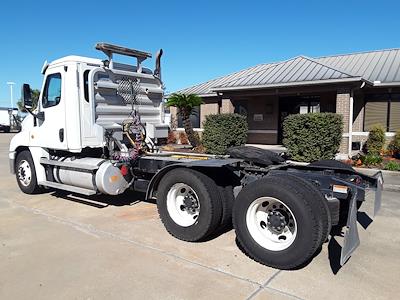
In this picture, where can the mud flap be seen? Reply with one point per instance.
(378, 192)
(351, 238)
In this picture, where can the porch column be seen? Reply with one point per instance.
(174, 117)
(208, 109)
(227, 106)
(344, 107)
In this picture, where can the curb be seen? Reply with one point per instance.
(373, 171)
(391, 187)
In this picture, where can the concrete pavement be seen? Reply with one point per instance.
(63, 246)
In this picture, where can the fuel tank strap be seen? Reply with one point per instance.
(69, 164)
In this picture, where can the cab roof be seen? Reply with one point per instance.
(76, 59)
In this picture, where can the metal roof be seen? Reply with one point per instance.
(300, 70)
(204, 89)
(376, 67)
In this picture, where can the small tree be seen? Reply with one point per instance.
(35, 98)
(185, 105)
(314, 136)
(224, 131)
(376, 140)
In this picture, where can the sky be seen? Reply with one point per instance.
(201, 40)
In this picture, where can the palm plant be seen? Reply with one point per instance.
(185, 105)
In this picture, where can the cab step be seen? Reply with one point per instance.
(65, 187)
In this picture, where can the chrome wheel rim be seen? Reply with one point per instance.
(183, 205)
(24, 173)
(271, 223)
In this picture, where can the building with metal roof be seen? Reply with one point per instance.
(363, 87)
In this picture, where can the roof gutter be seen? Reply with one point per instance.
(213, 94)
(291, 84)
(386, 84)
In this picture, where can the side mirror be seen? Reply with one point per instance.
(26, 96)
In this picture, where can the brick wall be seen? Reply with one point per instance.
(227, 107)
(208, 109)
(343, 108)
(210, 106)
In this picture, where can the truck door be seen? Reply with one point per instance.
(50, 132)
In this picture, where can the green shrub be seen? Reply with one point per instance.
(392, 166)
(224, 131)
(313, 136)
(371, 159)
(376, 140)
(395, 144)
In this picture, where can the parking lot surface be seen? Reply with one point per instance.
(61, 246)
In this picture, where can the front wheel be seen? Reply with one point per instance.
(26, 173)
(278, 223)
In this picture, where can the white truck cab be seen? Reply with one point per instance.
(83, 105)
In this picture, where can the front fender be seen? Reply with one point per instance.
(21, 139)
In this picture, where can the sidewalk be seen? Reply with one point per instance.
(391, 179)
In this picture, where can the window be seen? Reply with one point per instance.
(52, 90)
(382, 109)
(394, 115)
(194, 118)
(86, 84)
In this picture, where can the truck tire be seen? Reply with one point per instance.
(189, 204)
(26, 173)
(278, 222)
(227, 197)
(331, 163)
(313, 191)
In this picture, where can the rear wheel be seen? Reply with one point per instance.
(277, 223)
(26, 173)
(189, 204)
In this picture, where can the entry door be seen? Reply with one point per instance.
(50, 132)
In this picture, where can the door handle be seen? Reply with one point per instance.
(61, 135)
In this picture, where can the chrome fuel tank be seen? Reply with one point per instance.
(91, 173)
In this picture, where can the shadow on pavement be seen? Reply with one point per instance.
(334, 251)
(102, 201)
(363, 219)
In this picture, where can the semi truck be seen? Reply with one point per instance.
(98, 128)
(8, 118)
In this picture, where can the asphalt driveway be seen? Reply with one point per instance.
(62, 246)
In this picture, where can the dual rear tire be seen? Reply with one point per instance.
(280, 220)
(189, 204)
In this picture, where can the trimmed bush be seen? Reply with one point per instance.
(371, 159)
(314, 136)
(395, 144)
(376, 140)
(392, 166)
(224, 131)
